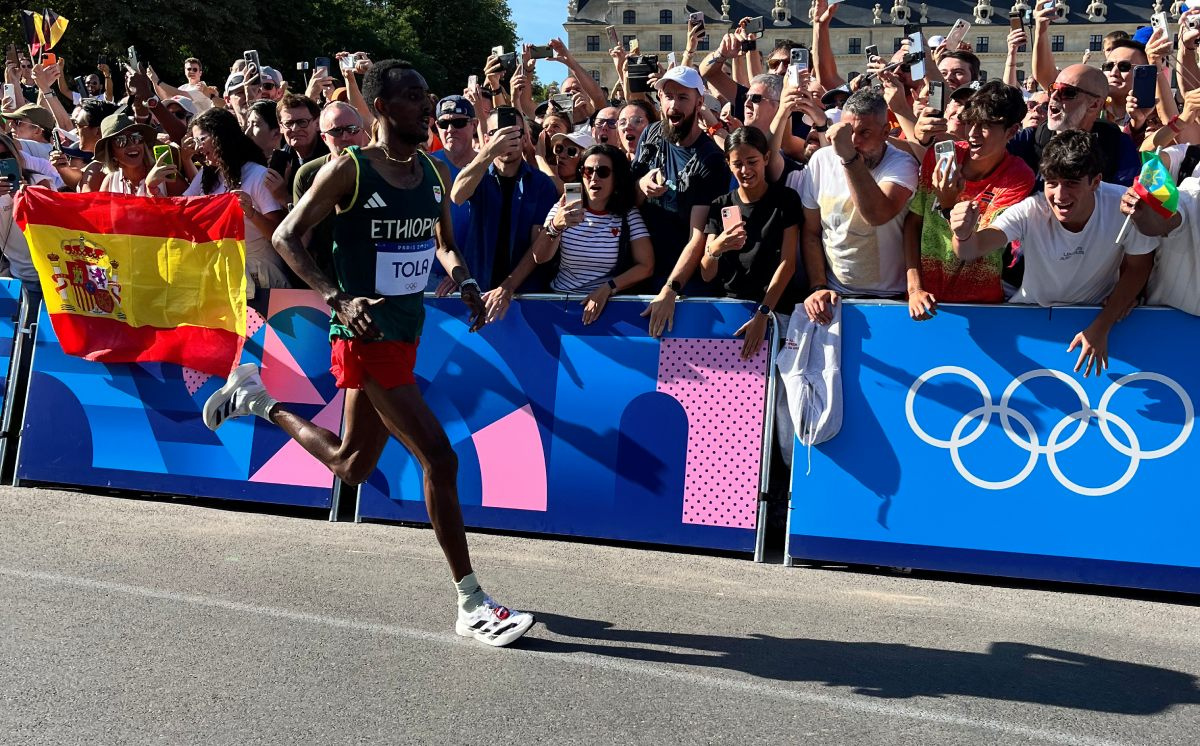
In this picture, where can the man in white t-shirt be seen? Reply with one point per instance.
(1068, 237)
(1175, 280)
(855, 194)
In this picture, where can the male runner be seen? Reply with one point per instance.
(393, 218)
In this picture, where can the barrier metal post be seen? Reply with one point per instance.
(768, 440)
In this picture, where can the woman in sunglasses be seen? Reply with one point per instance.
(564, 154)
(751, 255)
(124, 151)
(601, 243)
(554, 123)
(1124, 55)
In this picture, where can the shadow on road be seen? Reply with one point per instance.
(1008, 671)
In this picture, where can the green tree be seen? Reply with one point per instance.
(165, 32)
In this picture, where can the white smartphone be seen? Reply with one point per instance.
(731, 217)
(917, 72)
(800, 58)
(697, 19)
(10, 92)
(472, 81)
(498, 50)
(573, 192)
(1159, 21)
(943, 153)
(794, 75)
(958, 32)
(671, 60)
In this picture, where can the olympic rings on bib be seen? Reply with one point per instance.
(1053, 446)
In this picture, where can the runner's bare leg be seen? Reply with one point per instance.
(351, 457)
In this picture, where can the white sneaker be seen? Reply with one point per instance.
(493, 624)
(233, 399)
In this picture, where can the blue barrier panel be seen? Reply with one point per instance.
(967, 446)
(10, 301)
(138, 426)
(597, 431)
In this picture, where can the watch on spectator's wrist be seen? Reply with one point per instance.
(674, 286)
(612, 286)
(821, 128)
(817, 288)
(764, 309)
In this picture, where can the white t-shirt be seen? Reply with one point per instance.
(1064, 268)
(264, 267)
(1175, 280)
(1174, 158)
(76, 97)
(862, 259)
(588, 251)
(202, 102)
(12, 240)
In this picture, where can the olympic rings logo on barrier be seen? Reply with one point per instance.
(1053, 445)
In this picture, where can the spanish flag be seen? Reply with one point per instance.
(139, 279)
(1155, 186)
(42, 30)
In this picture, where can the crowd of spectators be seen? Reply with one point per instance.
(763, 175)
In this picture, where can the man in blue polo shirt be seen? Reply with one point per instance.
(509, 200)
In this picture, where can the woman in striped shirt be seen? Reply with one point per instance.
(601, 243)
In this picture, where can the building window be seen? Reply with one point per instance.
(1057, 43)
(983, 76)
(629, 17)
(665, 16)
(1020, 76)
(897, 43)
(596, 75)
(666, 43)
(1095, 42)
(593, 44)
(981, 44)
(703, 45)
(855, 45)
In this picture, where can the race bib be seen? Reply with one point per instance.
(403, 268)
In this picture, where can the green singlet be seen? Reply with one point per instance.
(384, 246)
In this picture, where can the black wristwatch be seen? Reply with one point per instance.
(764, 309)
(675, 287)
(822, 128)
(612, 285)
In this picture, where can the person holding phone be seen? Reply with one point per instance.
(1118, 67)
(601, 244)
(393, 222)
(12, 240)
(754, 255)
(979, 167)
(125, 152)
(234, 163)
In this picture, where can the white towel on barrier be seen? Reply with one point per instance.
(810, 367)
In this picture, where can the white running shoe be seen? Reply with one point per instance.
(493, 624)
(233, 399)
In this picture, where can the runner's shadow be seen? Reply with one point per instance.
(1008, 671)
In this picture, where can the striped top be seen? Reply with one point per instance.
(588, 251)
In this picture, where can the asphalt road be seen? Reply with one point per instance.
(126, 621)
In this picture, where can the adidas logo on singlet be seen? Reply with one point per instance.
(375, 201)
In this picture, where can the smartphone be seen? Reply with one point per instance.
(509, 61)
(498, 50)
(1193, 22)
(322, 62)
(160, 150)
(1158, 21)
(697, 19)
(872, 51)
(301, 66)
(81, 86)
(506, 117)
(958, 32)
(49, 59)
(10, 91)
(800, 58)
(612, 35)
(793, 72)
(731, 218)
(563, 101)
(1145, 85)
(348, 62)
(541, 52)
(472, 81)
(251, 58)
(943, 153)
(280, 158)
(133, 59)
(10, 170)
(670, 60)
(917, 70)
(754, 25)
(573, 192)
(11, 57)
(937, 96)
(1014, 21)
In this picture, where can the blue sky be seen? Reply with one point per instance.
(539, 21)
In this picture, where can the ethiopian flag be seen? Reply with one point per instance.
(137, 279)
(1155, 186)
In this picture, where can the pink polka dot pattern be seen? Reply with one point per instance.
(194, 379)
(723, 398)
(254, 322)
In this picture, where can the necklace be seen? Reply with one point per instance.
(387, 154)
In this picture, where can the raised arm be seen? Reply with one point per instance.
(1045, 72)
(586, 82)
(823, 61)
(712, 69)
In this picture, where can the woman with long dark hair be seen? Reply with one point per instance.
(234, 163)
(752, 255)
(601, 243)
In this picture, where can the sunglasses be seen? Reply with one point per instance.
(349, 129)
(268, 86)
(600, 172)
(455, 123)
(609, 123)
(1123, 66)
(758, 98)
(1070, 92)
(1035, 106)
(182, 115)
(132, 139)
(777, 62)
(570, 151)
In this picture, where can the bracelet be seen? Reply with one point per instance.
(551, 232)
(1173, 124)
(850, 162)
(822, 128)
(816, 288)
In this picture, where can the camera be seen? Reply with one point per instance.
(638, 70)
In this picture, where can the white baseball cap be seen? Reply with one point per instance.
(688, 77)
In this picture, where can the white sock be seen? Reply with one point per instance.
(261, 404)
(470, 594)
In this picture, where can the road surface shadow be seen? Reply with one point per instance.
(1008, 671)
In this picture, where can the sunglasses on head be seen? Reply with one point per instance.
(1122, 66)
(455, 123)
(134, 138)
(349, 129)
(600, 172)
(569, 150)
(1069, 92)
(757, 98)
